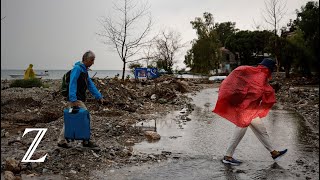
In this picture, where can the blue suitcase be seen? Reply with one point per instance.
(76, 125)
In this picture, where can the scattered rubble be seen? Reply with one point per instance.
(301, 95)
(112, 124)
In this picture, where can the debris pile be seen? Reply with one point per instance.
(301, 95)
(112, 123)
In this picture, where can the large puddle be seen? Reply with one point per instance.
(200, 143)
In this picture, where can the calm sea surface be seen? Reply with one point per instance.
(58, 74)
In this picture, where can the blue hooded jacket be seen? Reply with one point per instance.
(79, 68)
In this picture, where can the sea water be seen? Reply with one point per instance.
(58, 74)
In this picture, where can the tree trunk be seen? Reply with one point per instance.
(287, 72)
(276, 51)
(123, 69)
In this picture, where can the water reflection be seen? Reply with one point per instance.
(207, 134)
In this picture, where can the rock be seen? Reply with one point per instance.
(184, 110)
(182, 86)
(240, 171)
(95, 155)
(112, 153)
(152, 135)
(151, 156)
(183, 83)
(73, 171)
(153, 97)
(166, 152)
(174, 137)
(3, 132)
(129, 142)
(162, 101)
(8, 175)
(125, 153)
(39, 154)
(12, 165)
(29, 176)
(18, 178)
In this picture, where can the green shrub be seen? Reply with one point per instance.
(28, 83)
(45, 85)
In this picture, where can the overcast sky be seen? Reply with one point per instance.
(53, 34)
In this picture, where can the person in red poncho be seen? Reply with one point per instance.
(244, 97)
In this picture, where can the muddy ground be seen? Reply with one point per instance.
(112, 123)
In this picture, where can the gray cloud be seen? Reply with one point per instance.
(54, 34)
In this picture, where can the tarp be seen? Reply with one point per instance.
(162, 71)
(244, 95)
(146, 73)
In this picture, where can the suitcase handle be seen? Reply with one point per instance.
(74, 109)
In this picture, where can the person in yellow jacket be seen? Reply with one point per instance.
(29, 73)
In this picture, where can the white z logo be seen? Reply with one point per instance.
(34, 144)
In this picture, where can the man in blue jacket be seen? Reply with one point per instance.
(79, 83)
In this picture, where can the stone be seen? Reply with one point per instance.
(162, 101)
(73, 171)
(129, 142)
(151, 135)
(39, 154)
(3, 133)
(184, 110)
(44, 170)
(8, 175)
(95, 155)
(12, 165)
(153, 97)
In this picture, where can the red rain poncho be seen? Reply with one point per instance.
(244, 95)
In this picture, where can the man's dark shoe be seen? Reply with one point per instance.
(231, 161)
(64, 145)
(279, 154)
(89, 144)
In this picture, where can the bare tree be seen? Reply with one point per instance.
(257, 25)
(148, 53)
(127, 32)
(162, 49)
(167, 46)
(273, 14)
